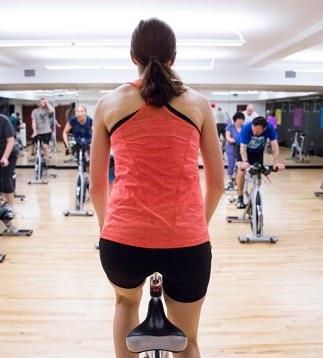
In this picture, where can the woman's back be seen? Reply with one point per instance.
(156, 201)
(155, 219)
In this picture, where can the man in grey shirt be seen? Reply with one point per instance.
(41, 120)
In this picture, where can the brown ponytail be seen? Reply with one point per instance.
(153, 45)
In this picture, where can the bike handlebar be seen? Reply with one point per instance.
(259, 168)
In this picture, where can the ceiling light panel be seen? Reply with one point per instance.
(121, 19)
(79, 53)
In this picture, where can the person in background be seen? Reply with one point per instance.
(271, 118)
(80, 126)
(41, 124)
(8, 159)
(19, 125)
(156, 218)
(252, 140)
(70, 112)
(232, 134)
(15, 121)
(221, 123)
(249, 113)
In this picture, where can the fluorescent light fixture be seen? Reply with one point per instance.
(229, 93)
(103, 43)
(211, 42)
(316, 70)
(127, 67)
(105, 91)
(193, 68)
(73, 67)
(204, 66)
(180, 43)
(199, 42)
(56, 92)
(47, 94)
(221, 93)
(119, 67)
(35, 43)
(70, 92)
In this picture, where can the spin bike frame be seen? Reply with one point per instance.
(10, 229)
(319, 193)
(253, 212)
(80, 190)
(247, 190)
(297, 147)
(39, 166)
(156, 335)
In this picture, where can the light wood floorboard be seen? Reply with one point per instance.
(264, 300)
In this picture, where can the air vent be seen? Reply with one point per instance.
(290, 74)
(29, 73)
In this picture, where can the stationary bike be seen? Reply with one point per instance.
(319, 193)
(40, 165)
(82, 183)
(6, 216)
(71, 144)
(298, 146)
(18, 196)
(156, 335)
(253, 212)
(246, 191)
(2, 257)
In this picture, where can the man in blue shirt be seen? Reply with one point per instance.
(252, 142)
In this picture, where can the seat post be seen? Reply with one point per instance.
(156, 285)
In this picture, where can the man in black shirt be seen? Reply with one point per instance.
(8, 158)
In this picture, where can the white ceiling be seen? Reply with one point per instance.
(279, 36)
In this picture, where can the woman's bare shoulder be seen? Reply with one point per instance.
(118, 103)
(193, 104)
(197, 97)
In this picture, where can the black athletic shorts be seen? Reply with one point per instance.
(186, 271)
(44, 138)
(7, 184)
(253, 157)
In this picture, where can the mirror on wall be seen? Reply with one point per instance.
(298, 117)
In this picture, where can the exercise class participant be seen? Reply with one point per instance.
(252, 140)
(156, 219)
(231, 135)
(249, 113)
(81, 126)
(41, 123)
(8, 159)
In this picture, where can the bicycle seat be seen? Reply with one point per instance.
(156, 332)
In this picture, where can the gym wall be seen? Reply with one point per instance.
(310, 122)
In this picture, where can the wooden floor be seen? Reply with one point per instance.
(264, 300)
